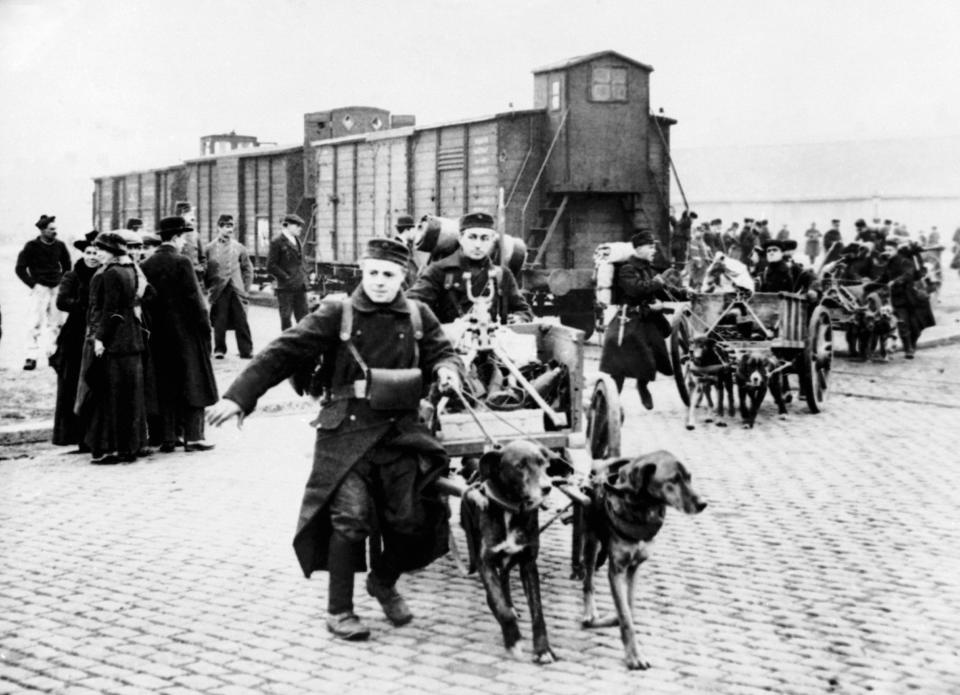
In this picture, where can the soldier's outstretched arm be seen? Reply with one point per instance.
(224, 409)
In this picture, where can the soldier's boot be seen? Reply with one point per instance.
(394, 607)
(341, 561)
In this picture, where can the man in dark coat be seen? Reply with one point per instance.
(680, 234)
(179, 341)
(40, 265)
(911, 303)
(781, 274)
(372, 461)
(443, 285)
(633, 344)
(832, 236)
(285, 264)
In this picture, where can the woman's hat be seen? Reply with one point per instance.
(45, 221)
(112, 242)
(784, 245)
(82, 244)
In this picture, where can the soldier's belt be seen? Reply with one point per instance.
(358, 389)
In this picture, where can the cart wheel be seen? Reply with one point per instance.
(817, 359)
(603, 419)
(680, 358)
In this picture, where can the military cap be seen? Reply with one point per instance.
(405, 222)
(834, 221)
(293, 218)
(860, 223)
(171, 226)
(133, 223)
(643, 237)
(45, 221)
(476, 220)
(716, 220)
(150, 239)
(385, 249)
(224, 219)
(112, 242)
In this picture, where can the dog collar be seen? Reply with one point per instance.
(511, 507)
(633, 531)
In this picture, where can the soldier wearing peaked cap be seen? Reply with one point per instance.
(405, 231)
(378, 352)
(448, 284)
(634, 342)
(228, 280)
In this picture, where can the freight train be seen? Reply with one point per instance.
(588, 164)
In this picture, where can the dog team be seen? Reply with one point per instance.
(377, 464)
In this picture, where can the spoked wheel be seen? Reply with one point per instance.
(817, 359)
(603, 419)
(680, 358)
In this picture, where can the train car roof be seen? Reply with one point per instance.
(134, 172)
(409, 130)
(576, 60)
(246, 152)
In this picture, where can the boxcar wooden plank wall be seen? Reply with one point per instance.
(482, 174)
(366, 195)
(326, 191)
(520, 151)
(346, 205)
(401, 199)
(423, 174)
(451, 160)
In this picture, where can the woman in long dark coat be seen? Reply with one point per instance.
(73, 297)
(118, 420)
(639, 350)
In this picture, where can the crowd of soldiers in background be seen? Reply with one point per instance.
(883, 256)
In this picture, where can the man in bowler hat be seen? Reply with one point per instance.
(285, 264)
(40, 265)
(372, 461)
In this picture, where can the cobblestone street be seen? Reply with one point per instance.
(827, 561)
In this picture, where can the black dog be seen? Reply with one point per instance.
(756, 373)
(709, 372)
(628, 502)
(499, 514)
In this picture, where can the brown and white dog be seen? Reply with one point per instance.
(499, 513)
(628, 503)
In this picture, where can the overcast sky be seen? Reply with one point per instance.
(95, 87)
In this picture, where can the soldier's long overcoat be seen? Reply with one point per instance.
(642, 352)
(349, 429)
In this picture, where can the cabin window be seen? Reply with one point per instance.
(609, 84)
(555, 94)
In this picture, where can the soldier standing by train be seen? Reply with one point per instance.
(373, 458)
(405, 232)
(634, 343)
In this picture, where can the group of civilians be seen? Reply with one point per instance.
(131, 327)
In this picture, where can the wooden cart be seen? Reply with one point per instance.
(799, 337)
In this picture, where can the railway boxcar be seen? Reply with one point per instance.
(589, 164)
(148, 195)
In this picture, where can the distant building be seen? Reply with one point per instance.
(226, 142)
(915, 181)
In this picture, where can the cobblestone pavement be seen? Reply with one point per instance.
(828, 561)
